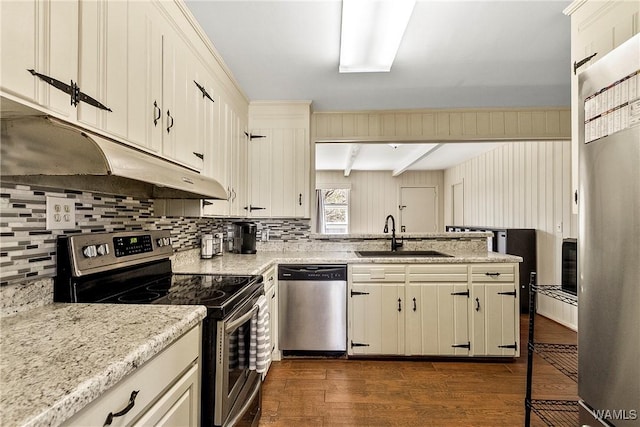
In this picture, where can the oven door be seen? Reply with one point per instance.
(234, 380)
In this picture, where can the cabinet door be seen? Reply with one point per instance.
(177, 139)
(290, 173)
(377, 319)
(144, 76)
(41, 36)
(261, 170)
(437, 319)
(179, 406)
(239, 172)
(495, 319)
(102, 71)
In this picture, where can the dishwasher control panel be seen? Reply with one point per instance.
(312, 272)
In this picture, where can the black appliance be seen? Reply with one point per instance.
(513, 241)
(570, 266)
(245, 240)
(134, 268)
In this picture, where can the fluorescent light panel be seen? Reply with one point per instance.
(371, 33)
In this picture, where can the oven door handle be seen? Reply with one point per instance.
(233, 325)
(256, 389)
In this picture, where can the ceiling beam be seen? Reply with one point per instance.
(351, 158)
(416, 157)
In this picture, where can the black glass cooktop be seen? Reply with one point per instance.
(220, 293)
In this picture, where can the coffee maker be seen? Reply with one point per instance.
(244, 241)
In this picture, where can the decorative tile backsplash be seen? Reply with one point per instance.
(27, 249)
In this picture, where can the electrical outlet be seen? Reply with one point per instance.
(61, 213)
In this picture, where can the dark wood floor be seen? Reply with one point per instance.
(306, 392)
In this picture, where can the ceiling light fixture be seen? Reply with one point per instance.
(371, 33)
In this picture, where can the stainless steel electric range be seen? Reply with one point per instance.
(134, 268)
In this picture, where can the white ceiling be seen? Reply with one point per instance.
(455, 54)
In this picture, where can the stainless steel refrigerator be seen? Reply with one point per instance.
(609, 239)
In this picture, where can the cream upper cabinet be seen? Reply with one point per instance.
(41, 36)
(279, 160)
(597, 27)
(228, 163)
(102, 71)
(495, 310)
(144, 73)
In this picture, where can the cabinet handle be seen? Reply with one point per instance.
(199, 155)
(156, 109)
(477, 304)
(492, 274)
(399, 305)
(415, 307)
(132, 402)
(169, 117)
(300, 199)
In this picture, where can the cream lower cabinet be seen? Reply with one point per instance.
(437, 314)
(434, 310)
(495, 310)
(376, 310)
(167, 386)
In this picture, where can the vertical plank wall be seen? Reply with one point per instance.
(524, 184)
(376, 194)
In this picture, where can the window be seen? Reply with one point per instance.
(334, 208)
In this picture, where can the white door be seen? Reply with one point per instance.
(418, 209)
(457, 210)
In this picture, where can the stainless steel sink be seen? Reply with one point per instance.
(394, 254)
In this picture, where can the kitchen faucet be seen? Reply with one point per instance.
(394, 243)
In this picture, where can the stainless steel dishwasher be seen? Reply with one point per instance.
(312, 308)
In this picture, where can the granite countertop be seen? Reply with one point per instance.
(257, 263)
(408, 235)
(58, 358)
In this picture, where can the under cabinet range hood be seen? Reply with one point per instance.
(40, 150)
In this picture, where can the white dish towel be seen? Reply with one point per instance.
(260, 344)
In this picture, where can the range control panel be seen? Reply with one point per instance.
(90, 253)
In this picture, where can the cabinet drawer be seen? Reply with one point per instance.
(150, 380)
(377, 273)
(438, 273)
(493, 273)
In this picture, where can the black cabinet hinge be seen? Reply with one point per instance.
(73, 90)
(358, 344)
(252, 136)
(359, 293)
(512, 293)
(205, 94)
(580, 63)
(461, 293)
(467, 345)
(513, 346)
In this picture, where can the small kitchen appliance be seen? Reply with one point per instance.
(245, 237)
(134, 268)
(206, 246)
